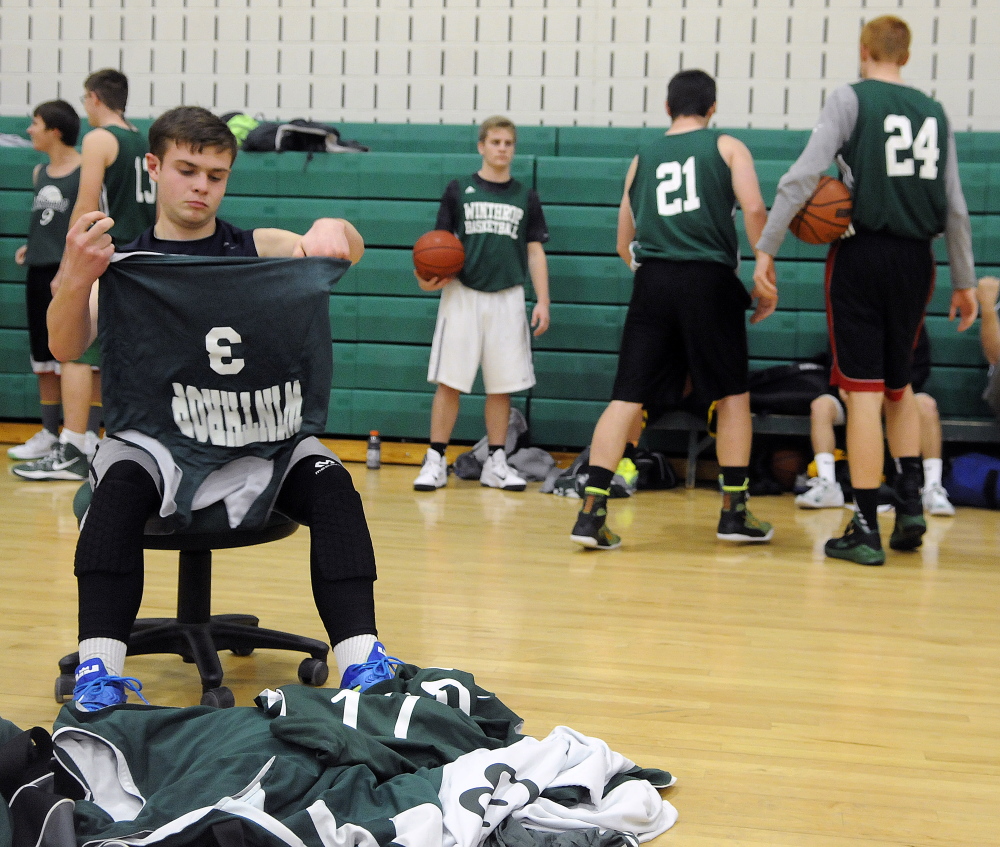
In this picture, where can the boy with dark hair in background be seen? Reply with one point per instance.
(114, 180)
(686, 319)
(54, 129)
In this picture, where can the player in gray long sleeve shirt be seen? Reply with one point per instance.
(896, 152)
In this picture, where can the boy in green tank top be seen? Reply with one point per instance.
(685, 331)
(54, 129)
(896, 152)
(113, 180)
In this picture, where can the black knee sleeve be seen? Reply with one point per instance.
(109, 557)
(321, 495)
(111, 537)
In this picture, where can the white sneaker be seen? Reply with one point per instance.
(821, 495)
(936, 501)
(37, 447)
(498, 474)
(433, 474)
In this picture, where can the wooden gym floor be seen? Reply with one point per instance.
(799, 701)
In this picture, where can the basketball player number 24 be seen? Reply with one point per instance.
(924, 147)
(673, 177)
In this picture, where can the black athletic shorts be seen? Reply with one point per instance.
(38, 295)
(685, 319)
(877, 289)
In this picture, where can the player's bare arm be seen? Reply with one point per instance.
(626, 219)
(746, 187)
(97, 152)
(72, 314)
(333, 237)
(538, 270)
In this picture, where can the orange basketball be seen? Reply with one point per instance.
(786, 465)
(826, 215)
(438, 253)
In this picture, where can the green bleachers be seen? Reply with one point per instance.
(381, 322)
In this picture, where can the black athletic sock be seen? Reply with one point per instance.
(51, 416)
(599, 478)
(910, 480)
(439, 446)
(630, 451)
(494, 447)
(94, 417)
(866, 504)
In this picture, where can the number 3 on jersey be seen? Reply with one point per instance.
(924, 147)
(675, 177)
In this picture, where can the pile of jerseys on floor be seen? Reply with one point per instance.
(428, 759)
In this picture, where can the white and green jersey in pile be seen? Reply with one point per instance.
(128, 195)
(683, 201)
(495, 221)
(429, 759)
(217, 360)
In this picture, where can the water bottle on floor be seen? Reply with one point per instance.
(374, 456)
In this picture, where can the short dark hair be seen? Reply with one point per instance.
(110, 86)
(58, 114)
(193, 127)
(690, 93)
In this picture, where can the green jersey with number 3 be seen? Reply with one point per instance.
(683, 201)
(896, 154)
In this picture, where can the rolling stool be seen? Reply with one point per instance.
(196, 635)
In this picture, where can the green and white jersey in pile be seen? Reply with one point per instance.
(683, 201)
(128, 195)
(209, 362)
(427, 760)
(495, 222)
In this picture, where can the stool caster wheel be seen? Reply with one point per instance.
(221, 698)
(242, 651)
(65, 683)
(313, 672)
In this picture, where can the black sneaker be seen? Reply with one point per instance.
(737, 523)
(591, 528)
(908, 533)
(857, 545)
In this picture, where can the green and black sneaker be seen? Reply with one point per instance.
(857, 545)
(737, 523)
(591, 528)
(908, 533)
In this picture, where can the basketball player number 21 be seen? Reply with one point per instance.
(924, 147)
(673, 177)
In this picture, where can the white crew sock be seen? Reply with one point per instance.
(825, 466)
(353, 651)
(77, 439)
(932, 472)
(108, 650)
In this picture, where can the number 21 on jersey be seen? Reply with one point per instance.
(674, 178)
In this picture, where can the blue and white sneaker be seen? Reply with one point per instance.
(97, 689)
(378, 668)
